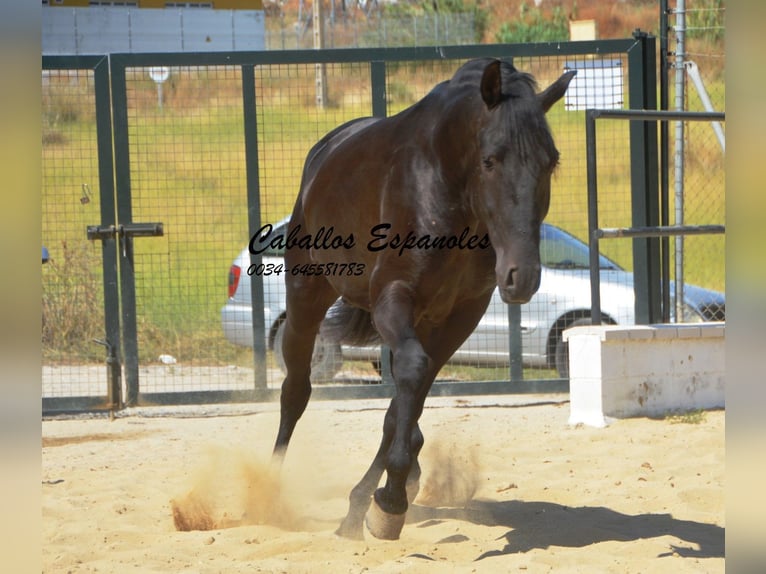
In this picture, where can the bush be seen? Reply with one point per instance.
(533, 26)
(72, 306)
(706, 20)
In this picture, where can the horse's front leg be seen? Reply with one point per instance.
(442, 343)
(361, 494)
(393, 315)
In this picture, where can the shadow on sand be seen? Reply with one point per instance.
(543, 524)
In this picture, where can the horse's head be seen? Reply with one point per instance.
(515, 159)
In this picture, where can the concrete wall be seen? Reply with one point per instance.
(115, 29)
(647, 370)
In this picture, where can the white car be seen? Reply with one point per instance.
(562, 301)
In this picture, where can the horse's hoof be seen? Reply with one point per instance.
(383, 525)
(350, 532)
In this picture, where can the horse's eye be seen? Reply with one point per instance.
(488, 162)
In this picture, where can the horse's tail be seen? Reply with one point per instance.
(349, 325)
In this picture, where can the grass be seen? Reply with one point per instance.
(188, 171)
(72, 305)
(693, 417)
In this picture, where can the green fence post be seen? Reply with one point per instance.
(109, 251)
(254, 222)
(124, 215)
(644, 178)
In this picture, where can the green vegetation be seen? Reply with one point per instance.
(480, 14)
(694, 417)
(533, 26)
(706, 20)
(73, 304)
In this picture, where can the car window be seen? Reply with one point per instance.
(560, 250)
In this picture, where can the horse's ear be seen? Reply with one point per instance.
(556, 90)
(491, 84)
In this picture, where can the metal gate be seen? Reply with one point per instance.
(190, 153)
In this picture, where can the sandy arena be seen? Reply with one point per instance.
(508, 486)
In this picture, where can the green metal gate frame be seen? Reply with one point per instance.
(99, 65)
(116, 209)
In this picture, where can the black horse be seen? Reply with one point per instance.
(409, 223)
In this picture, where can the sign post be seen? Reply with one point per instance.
(159, 74)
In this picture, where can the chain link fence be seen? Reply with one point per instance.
(373, 30)
(697, 176)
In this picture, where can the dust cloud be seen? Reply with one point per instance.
(233, 488)
(451, 473)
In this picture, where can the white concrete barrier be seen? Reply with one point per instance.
(644, 370)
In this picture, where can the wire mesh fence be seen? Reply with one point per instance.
(697, 178)
(359, 30)
(73, 301)
(290, 122)
(188, 170)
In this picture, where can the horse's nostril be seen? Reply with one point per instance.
(510, 279)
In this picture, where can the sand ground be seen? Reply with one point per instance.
(508, 486)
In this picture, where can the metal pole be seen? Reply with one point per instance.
(253, 177)
(595, 271)
(680, 30)
(664, 161)
(694, 74)
(321, 74)
(515, 343)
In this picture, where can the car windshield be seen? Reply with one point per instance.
(560, 250)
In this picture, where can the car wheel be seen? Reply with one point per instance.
(325, 362)
(562, 348)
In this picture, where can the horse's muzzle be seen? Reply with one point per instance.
(518, 285)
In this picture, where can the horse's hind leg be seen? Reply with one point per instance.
(304, 315)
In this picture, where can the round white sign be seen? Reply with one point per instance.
(159, 73)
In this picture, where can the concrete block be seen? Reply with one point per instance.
(644, 370)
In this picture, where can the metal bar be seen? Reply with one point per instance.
(664, 163)
(426, 53)
(117, 68)
(380, 110)
(102, 232)
(514, 343)
(378, 87)
(678, 152)
(658, 115)
(52, 406)
(249, 110)
(128, 230)
(644, 179)
(364, 391)
(74, 62)
(595, 272)
(661, 231)
(694, 73)
(663, 116)
(109, 247)
(141, 230)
